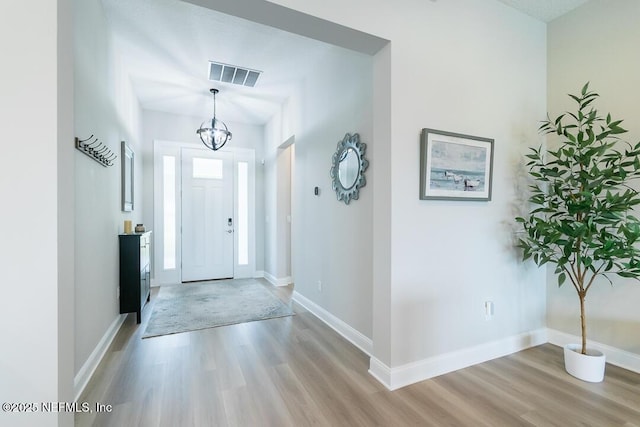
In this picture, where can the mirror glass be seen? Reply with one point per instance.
(349, 168)
(127, 177)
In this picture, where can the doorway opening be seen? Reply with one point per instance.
(204, 213)
(285, 164)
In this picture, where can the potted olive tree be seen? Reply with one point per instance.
(581, 217)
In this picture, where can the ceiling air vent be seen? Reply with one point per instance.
(233, 74)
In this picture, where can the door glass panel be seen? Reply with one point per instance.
(169, 210)
(207, 168)
(242, 226)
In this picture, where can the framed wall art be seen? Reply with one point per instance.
(455, 166)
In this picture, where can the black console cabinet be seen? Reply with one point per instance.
(135, 273)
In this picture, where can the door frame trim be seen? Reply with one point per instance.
(173, 148)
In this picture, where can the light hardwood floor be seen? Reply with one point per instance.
(296, 371)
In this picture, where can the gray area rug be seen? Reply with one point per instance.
(193, 306)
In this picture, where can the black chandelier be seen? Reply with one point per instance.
(214, 133)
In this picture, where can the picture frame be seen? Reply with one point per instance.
(454, 166)
(127, 176)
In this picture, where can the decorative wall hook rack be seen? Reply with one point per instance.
(96, 150)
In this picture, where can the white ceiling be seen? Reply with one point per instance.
(165, 45)
(544, 10)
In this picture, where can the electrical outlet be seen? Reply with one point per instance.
(319, 286)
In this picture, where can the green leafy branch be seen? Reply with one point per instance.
(582, 200)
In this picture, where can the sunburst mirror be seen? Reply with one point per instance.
(347, 170)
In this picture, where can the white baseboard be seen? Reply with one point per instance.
(85, 373)
(380, 371)
(395, 378)
(258, 274)
(278, 281)
(350, 334)
(615, 356)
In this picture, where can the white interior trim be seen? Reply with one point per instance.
(277, 281)
(395, 378)
(350, 334)
(87, 370)
(165, 276)
(615, 356)
(174, 148)
(380, 371)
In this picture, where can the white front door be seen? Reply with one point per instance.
(207, 215)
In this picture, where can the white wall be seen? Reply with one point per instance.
(105, 107)
(284, 208)
(477, 68)
(66, 210)
(379, 178)
(278, 200)
(34, 362)
(273, 138)
(598, 43)
(486, 79)
(332, 241)
(179, 128)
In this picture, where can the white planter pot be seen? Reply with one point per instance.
(587, 367)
